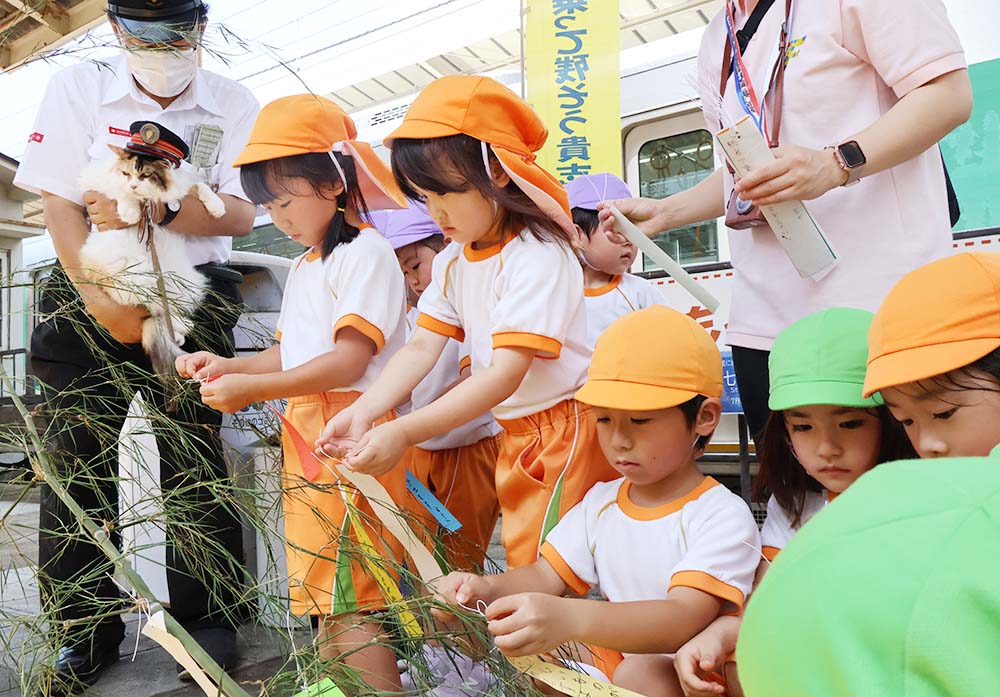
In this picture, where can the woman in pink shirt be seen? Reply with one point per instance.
(873, 80)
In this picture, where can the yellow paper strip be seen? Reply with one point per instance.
(389, 588)
(567, 681)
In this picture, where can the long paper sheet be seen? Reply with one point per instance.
(567, 681)
(676, 271)
(156, 629)
(802, 239)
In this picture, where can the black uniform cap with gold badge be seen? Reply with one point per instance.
(158, 21)
(150, 139)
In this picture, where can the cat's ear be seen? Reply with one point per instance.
(122, 153)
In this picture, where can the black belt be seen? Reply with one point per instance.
(221, 272)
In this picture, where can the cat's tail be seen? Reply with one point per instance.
(160, 347)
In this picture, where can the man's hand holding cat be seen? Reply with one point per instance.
(103, 211)
(229, 393)
(123, 322)
(202, 365)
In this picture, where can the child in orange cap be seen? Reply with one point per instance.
(512, 287)
(670, 548)
(934, 355)
(342, 318)
(458, 467)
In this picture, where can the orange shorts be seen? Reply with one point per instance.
(547, 462)
(326, 569)
(463, 480)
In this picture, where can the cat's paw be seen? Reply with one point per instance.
(129, 213)
(213, 204)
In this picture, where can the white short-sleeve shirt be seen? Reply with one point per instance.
(522, 293)
(778, 529)
(848, 63)
(622, 295)
(443, 377)
(706, 540)
(86, 108)
(358, 285)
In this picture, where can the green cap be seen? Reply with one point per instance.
(890, 590)
(821, 359)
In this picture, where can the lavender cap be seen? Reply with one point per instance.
(405, 226)
(588, 191)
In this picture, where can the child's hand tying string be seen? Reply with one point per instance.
(527, 624)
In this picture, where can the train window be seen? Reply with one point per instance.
(667, 166)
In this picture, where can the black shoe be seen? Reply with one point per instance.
(77, 668)
(220, 644)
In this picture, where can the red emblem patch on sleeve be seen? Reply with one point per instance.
(119, 131)
(36, 137)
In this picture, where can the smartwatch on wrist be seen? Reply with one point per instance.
(173, 208)
(851, 159)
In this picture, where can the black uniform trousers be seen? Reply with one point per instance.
(89, 380)
(752, 380)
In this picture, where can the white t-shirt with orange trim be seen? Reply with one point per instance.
(778, 529)
(622, 295)
(706, 540)
(359, 285)
(522, 293)
(444, 376)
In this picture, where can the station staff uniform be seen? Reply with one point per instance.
(83, 370)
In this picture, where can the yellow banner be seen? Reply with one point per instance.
(571, 56)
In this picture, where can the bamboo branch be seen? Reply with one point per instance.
(44, 471)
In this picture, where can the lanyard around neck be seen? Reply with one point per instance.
(732, 57)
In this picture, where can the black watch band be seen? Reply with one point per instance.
(171, 213)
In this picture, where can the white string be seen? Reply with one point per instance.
(480, 607)
(141, 604)
(336, 163)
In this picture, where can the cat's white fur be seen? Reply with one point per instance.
(119, 262)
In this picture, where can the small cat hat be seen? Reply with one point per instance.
(306, 123)
(150, 139)
(484, 109)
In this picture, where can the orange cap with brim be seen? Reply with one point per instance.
(307, 123)
(652, 359)
(484, 109)
(938, 318)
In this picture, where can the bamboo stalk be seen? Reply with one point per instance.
(44, 471)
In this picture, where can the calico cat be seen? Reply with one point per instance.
(120, 262)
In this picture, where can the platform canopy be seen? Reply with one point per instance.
(29, 27)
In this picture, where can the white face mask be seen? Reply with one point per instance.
(163, 73)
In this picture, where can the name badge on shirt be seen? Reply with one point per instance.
(204, 140)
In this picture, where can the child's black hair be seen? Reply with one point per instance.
(318, 170)
(434, 242)
(782, 475)
(454, 164)
(690, 409)
(957, 380)
(587, 219)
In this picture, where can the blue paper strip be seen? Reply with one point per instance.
(430, 502)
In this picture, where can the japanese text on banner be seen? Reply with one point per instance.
(573, 83)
